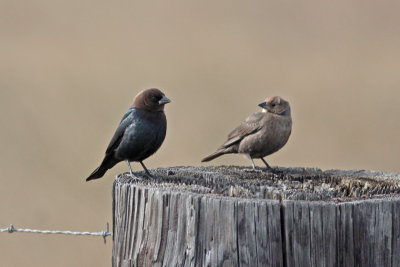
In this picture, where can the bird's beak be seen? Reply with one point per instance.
(264, 105)
(164, 100)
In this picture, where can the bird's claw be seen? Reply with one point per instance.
(149, 175)
(135, 178)
(273, 170)
(252, 170)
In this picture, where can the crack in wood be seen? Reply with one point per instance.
(226, 216)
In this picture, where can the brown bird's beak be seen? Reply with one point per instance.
(164, 100)
(264, 105)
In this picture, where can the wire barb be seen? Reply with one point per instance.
(11, 229)
(104, 234)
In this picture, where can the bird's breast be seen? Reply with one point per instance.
(142, 137)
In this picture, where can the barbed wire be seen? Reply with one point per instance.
(11, 229)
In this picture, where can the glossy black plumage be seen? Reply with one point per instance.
(140, 133)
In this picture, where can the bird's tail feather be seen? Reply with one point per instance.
(97, 173)
(108, 162)
(214, 155)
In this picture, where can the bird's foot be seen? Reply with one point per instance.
(146, 170)
(149, 175)
(134, 177)
(273, 170)
(252, 170)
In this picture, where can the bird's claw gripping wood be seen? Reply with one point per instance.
(146, 170)
(253, 170)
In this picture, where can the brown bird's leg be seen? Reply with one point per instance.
(266, 164)
(145, 169)
(252, 162)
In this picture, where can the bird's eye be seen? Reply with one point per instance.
(156, 98)
(273, 105)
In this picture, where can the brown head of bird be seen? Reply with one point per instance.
(276, 105)
(151, 100)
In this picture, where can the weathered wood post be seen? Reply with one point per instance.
(232, 216)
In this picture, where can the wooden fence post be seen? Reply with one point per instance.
(232, 216)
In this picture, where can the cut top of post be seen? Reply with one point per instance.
(309, 184)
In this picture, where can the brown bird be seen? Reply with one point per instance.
(140, 133)
(261, 134)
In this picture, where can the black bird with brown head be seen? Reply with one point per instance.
(140, 133)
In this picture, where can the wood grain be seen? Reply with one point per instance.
(228, 216)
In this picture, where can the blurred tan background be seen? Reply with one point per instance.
(70, 69)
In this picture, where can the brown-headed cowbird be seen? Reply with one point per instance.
(261, 134)
(139, 134)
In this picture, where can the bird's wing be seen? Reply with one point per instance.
(251, 125)
(119, 133)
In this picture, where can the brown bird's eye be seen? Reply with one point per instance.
(273, 104)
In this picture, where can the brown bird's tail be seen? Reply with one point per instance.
(214, 155)
(108, 162)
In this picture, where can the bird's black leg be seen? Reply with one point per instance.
(266, 164)
(145, 169)
(130, 169)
